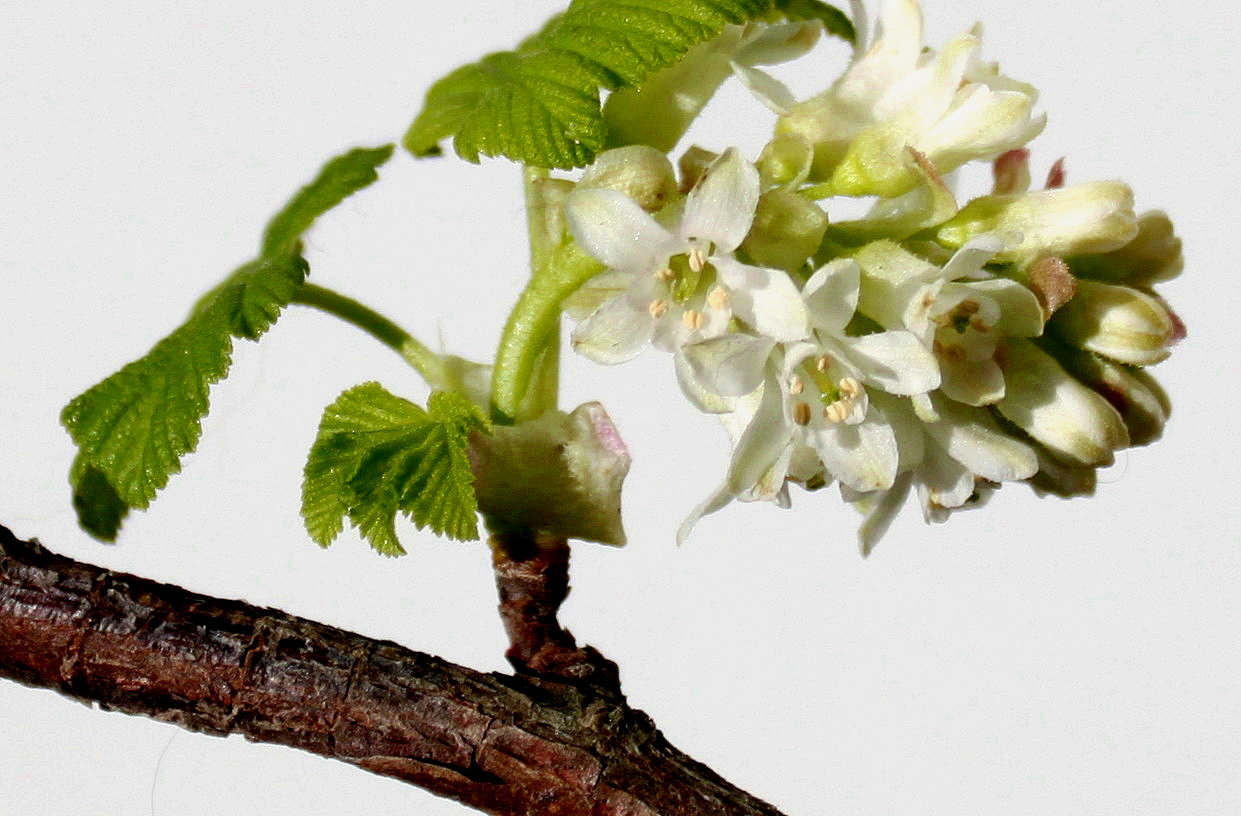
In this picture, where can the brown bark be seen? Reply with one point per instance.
(503, 744)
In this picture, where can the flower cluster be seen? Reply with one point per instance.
(932, 346)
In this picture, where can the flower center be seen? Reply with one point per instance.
(836, 399)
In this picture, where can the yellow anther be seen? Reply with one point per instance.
(692, 319)
(718, 298)
(801, 413)
(666, 274)
(658, 308)
(796, 385)
(822, 362)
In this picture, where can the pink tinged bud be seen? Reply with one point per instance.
(1075, 424)
(1135, 394)
(1011, 172)
(1118, 322)
(1153, 255)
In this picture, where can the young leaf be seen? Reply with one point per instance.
(133, 428)
(377, 454)
(539, 104)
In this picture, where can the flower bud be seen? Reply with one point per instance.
(787, 230)
(785, 161)
(1153, 255)
(638, 171)
(1140, 400)
(1085, 218)
(1074, 423)
(1054, 478)
(1117, 322)
(693, 165)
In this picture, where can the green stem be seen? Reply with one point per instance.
(525, 380)
(426, 362)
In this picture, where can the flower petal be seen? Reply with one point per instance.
(721, 208)
(614, 333)
(732, 365)
(862, 456)
(1020, 312)
(973, 382)
(762, 442)
(766, 299)
(895, 361)
(766, 89)
(718, 500)
(612, 228)
(702, 398)
(943, 483)
(972, 437)
(831, 295)
(879, 509)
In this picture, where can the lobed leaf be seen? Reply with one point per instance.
(377, 455)
(133, 428)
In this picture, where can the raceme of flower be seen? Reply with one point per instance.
(934, 347)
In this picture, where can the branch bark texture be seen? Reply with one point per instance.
(502, 744)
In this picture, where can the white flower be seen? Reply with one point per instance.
(960, 317)
(951, 107)
(812, 414)
(683, 285)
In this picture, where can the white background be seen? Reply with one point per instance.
(1037, 657)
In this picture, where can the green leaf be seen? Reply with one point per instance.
(133, 428)
(835, 22)
(377, 455)
(539, 104)
(340, 178)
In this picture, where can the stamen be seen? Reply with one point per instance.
(801, 414)
(718, 298)
(823, 362)
(697, 259)
(796, 385)
(658, 308)
(851, 388)
(837, 412)
(666, 274)
(692, 319)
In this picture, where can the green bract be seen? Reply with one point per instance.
(377, 454)
(133, 428)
